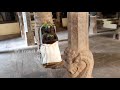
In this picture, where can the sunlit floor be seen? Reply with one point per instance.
(106, 53)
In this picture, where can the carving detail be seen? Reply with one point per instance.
(78, 64)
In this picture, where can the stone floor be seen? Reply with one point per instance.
(12, 44)
(19, 43)
(26, 63)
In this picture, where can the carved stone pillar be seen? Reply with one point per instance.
(78, 58)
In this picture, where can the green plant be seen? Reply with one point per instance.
(49, 35)
(47, 25)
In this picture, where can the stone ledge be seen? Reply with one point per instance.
(16, 49)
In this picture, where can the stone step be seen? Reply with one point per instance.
(112, 26)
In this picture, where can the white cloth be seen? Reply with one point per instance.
(50, 53)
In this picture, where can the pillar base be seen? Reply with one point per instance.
(79, 64)
(117, 34)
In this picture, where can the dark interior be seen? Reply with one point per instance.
(108, 14)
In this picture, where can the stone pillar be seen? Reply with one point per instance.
(29, 35)
(93, 25)
(40, 18)
(117, 15)
(117, 34)
(20, 19)
(59, 19)
(4, 15)
(99, 15)
(119, 18)
(78, 58)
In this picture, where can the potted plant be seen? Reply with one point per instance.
(50, 53)
(48, 33)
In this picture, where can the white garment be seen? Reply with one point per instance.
(50, 53)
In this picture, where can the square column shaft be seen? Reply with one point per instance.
(78, 31)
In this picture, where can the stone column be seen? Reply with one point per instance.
(4, 15)
(78, 58)
(93, 25)
(117, 34)
(119, 18)
(40, 18)
(29, 35)
(117, 15)
(59, 19)
(20, 19)
(99, 15)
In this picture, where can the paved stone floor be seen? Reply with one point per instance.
(12, 44)
(26, 63)
(19, 43)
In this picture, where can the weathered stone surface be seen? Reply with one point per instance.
(99, 15)
(42, 17)
(20, 18)
(78, 58)
(29, 35)
(106, 52)
(78, 64)
(117, 34)
(59, 19)
(93, 25)
(78, 31)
